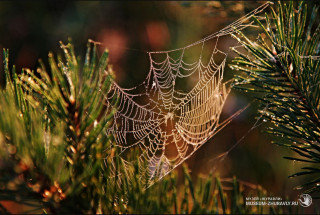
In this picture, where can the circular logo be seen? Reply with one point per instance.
(305, 200)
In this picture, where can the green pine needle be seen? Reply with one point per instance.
(283, 68)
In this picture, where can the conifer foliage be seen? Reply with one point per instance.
(54, 132)
(282, 68)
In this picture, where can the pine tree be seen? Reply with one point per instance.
(282, 69)
(57, 158)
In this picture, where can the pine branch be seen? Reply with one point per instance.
(80, 103)
(30, 165)
(283, 69)
(71, 109)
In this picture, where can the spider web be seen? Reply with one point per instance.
(177, 108)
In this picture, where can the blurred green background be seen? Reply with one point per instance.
(128, 29)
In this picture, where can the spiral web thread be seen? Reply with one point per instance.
(168, 116)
